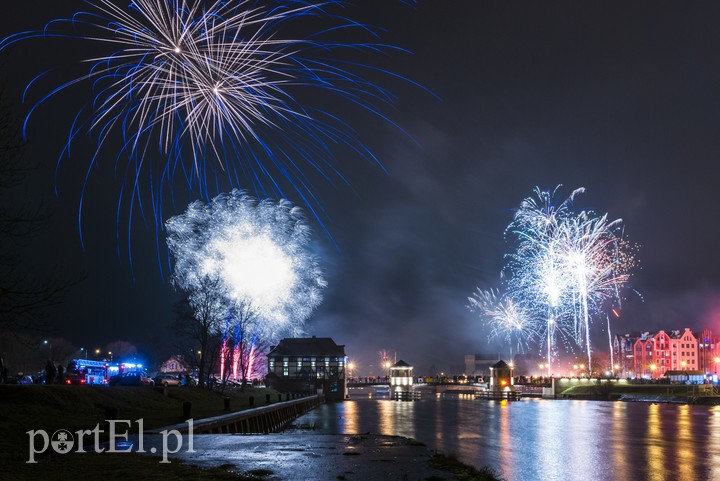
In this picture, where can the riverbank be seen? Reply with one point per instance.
(653, 393)
(73, 408)
(322, 457)
(275, 457)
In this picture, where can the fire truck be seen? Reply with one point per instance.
(84, 371)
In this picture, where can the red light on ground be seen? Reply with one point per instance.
(67, 381)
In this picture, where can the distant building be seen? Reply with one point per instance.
(708, 351)
(643, 356)
(479, 364)
(175, 364)
(658, 353)
(301, 364)
(686, 377)
(624, 353)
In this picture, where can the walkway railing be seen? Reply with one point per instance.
(262, 420)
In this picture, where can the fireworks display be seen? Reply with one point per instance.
(260, 254)
(507, 320)
(215, 93)
(567, 266)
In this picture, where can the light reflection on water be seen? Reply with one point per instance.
(655, 448)
(686, 450)
(546, 440)
(621, 458)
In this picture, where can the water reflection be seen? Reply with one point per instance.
(352, 424)
(506, 440)
(620, 445)
(713, 444)
(654, 443)
(686, 450)
(546, 440)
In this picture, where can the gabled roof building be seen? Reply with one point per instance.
(311, 363)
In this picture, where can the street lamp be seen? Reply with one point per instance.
(351, 366)
(49, 344)
(110, 354)
(82, 349)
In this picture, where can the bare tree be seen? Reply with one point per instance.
(199, 317)
(249, 339)
(24, 299)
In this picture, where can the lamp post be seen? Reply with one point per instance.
(49, 344)
(82, 349)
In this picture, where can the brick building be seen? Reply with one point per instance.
(655, 354)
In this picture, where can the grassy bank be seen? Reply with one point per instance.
(26, 408)
(615, 390)
(74, 407)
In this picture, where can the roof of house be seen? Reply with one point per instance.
(400, 363)
(629, 335)
(308, 346)
(500, 365)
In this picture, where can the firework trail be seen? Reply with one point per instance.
(507, 319)
(209, 93)
(566, 266)
(259, 252)
(536, 270)
(590, 245)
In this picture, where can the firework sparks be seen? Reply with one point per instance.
(566, 266)
(589, 254)
(507, 319)
(203, 93)
(258, 251)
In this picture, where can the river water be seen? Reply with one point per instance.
(537, 440)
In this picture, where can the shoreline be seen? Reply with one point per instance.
(318, 457)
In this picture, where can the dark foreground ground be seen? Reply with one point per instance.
(275, 457)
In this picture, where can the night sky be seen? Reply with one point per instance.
(622, 98)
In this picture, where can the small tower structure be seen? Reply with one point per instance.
(501, 377)
(401, 381)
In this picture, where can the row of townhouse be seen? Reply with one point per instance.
(651, 355)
